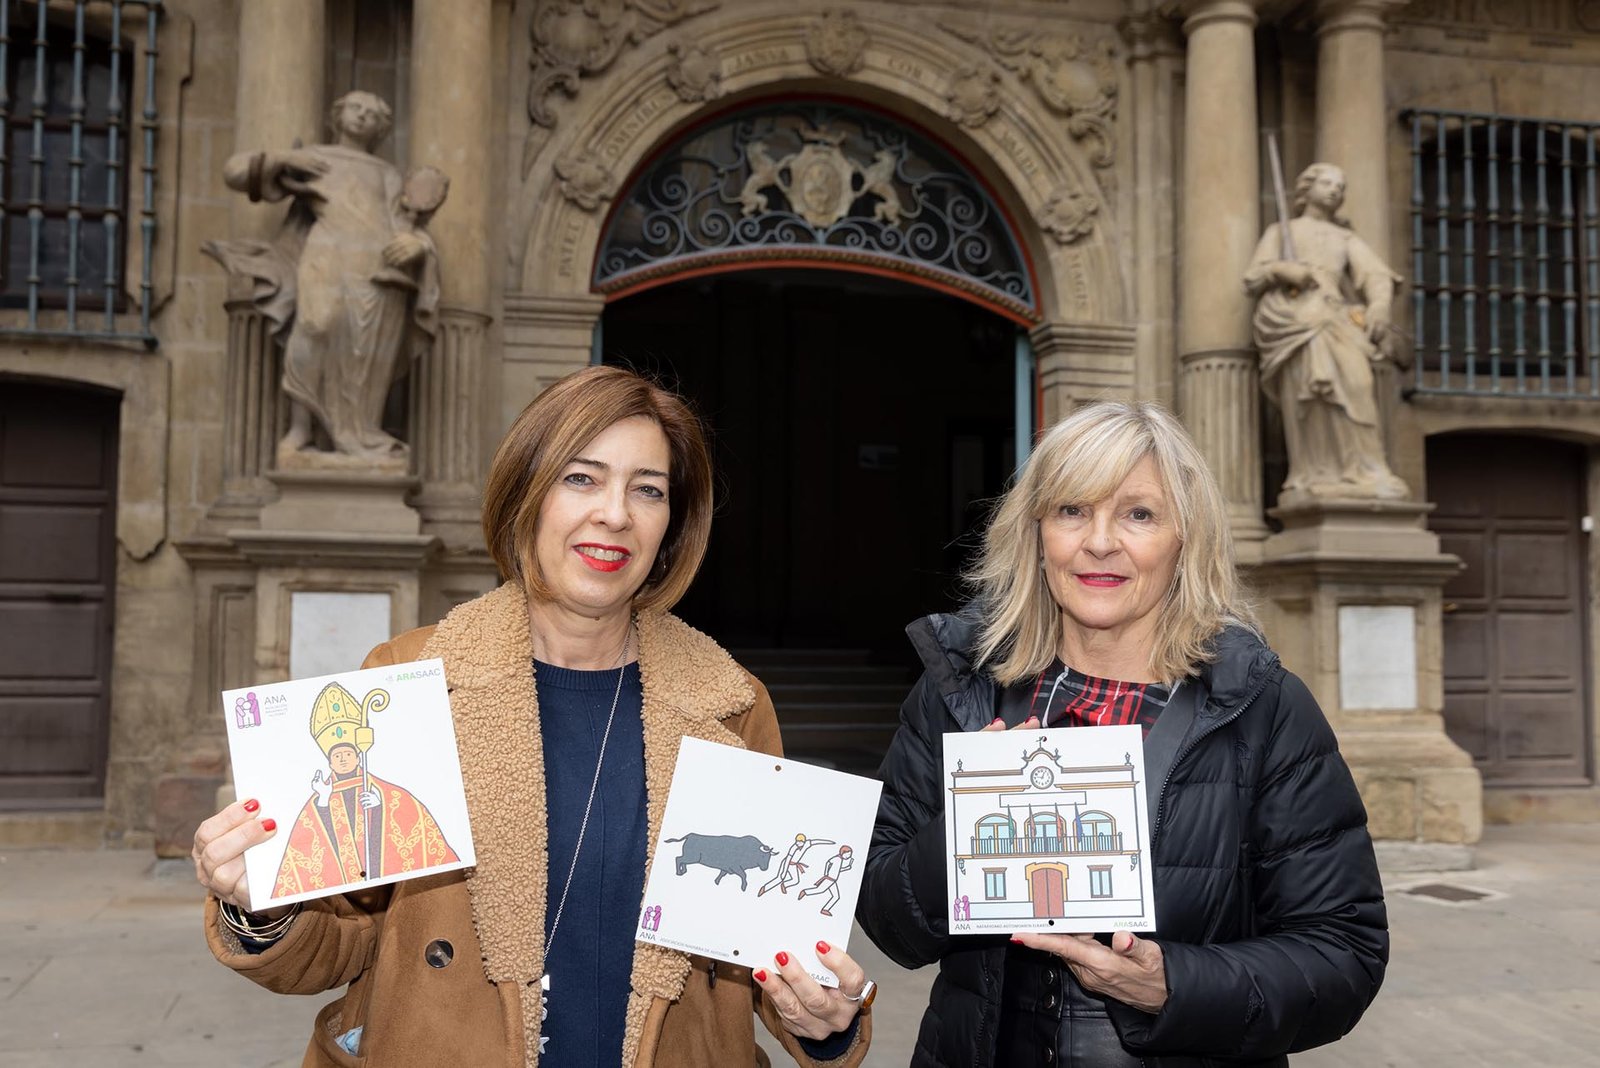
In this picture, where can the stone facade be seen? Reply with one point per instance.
(1120, 137)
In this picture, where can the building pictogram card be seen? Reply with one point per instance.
(757, 854)
(361, 773)
(1047, 831)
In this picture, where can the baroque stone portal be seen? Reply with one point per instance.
(350, 285)
(1321, 323)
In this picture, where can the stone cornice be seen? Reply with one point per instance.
(1197, 13)
(1338, 16)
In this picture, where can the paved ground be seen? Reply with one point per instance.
(102, 965)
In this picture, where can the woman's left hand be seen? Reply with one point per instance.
(808, 1008)
(1133, 970)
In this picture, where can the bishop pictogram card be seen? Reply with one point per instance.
(361, 773)
(757, 854)
(1047, 831)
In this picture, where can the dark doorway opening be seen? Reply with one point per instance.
(58, 483)
(862, 427)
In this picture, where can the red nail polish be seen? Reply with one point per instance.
(251, 805)
(998, 719)
(1017, 941)
(822, 947)
(760, 976)
(269, 824)
(783, 959)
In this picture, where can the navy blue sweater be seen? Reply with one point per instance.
(590, 958)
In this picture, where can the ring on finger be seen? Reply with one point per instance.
(869, 990)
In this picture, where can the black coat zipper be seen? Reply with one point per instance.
(1161, 803)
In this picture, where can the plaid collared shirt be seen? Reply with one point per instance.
(1066, 698)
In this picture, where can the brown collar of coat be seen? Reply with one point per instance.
(690, 685)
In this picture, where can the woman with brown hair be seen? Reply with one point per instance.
(597, 510)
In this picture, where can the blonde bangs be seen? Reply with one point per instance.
(1081, 460)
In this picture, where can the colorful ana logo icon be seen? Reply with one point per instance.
(247, 711)
(652, 918)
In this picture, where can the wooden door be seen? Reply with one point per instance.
(58, 477)
(1049, 893)
(1516, 672)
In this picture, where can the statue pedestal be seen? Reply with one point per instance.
(1351, 599)
(339, 557)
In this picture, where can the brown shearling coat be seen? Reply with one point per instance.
(483, 1008)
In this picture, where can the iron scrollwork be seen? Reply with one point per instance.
(814, 181)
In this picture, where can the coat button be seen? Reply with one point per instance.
(438, 953)
(1049, 1055)
(1049, 1001)
(1049, 977)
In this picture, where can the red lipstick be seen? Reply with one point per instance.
(1101, 580)
(597, 562)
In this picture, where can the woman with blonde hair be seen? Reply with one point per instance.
(1106, 593)
(597, 511)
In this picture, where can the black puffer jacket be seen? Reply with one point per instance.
(1269, 911)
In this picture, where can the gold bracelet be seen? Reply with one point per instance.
(235, 920)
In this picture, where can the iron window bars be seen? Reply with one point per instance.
(67, 74)
(1505, 245)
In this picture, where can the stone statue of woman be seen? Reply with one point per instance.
(1321, 323)
(350, 285)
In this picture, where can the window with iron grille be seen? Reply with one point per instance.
(1505, 243)
(68, 158)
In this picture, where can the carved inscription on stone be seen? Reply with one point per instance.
(836, 43)
(760, 57)
(627, 131)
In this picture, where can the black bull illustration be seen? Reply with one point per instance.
(729, 854)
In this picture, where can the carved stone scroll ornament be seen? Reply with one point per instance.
(574, 39)
(584, 179)
(1075, 76)
(1069, 215)
(973, 96)
(694, 73)
(836, 44)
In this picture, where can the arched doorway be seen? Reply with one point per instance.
(843, 300)
(58, 483)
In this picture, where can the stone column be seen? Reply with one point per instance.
(278, 99)
(452, 107)
(1351, 128)
(1218, 389)
(1155, 54)
(1352, 132)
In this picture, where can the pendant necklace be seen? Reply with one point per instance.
(555, 924)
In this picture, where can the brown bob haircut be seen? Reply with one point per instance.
(553, 430)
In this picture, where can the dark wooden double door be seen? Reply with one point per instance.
(1516, 661)
(58, 478)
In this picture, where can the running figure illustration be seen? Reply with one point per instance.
(791, 867)
(836, 866)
